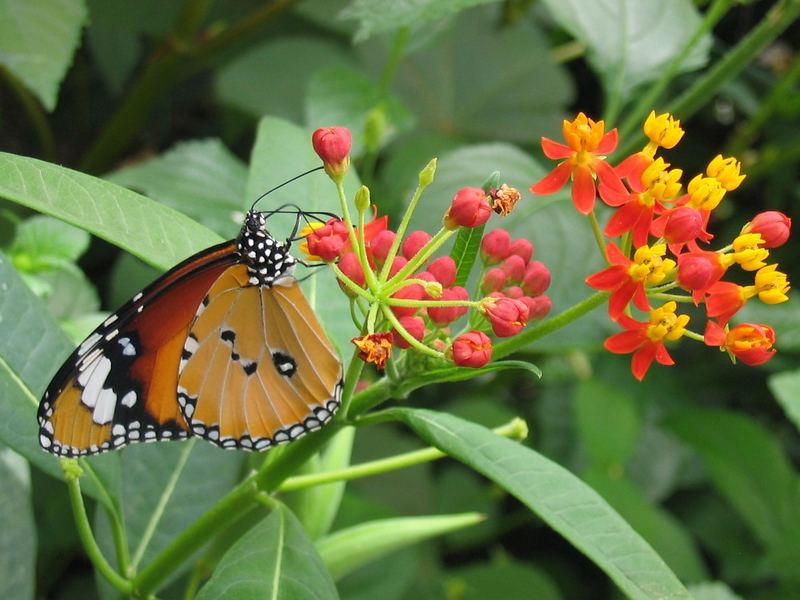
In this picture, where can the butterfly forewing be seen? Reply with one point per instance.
(119, 385)
(258, 369)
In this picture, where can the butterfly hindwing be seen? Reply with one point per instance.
(119, 385)
(257, 368)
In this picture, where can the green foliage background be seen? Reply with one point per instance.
(134, 134)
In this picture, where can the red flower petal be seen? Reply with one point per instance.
(554, 180)
(619, 299)
(609, 278)
(583, 192)
(642, 359)
(609, 142)
(714, 334)
(624, 342)
(607, 176)
(662, 356)
(554, 150)
(624, 219)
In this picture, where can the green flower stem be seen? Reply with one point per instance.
(598, 235)
(354, 370)
(351, 285)
(413, 342)
(114, 517)
(694, 336)
(548, 326)
(390, 68)
(87, 539)
(406, 302)
(377, 392)
(664, 287)
(359, 249)
(158, 511)
(401, 231)
(636, 116)
(396, 282)
(512, 430)
(780, 16)
(369, 274)
(673, 297)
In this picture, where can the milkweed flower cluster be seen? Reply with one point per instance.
(659, 243)
(408, 297)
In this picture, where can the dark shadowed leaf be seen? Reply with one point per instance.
(504, 578)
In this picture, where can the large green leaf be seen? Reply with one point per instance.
(478, 81)
(503, 578)
(41, 242)
(631, 41)
(17, 530)
(147, 229)
(747, 465)
(273, 560)
(281, 151)
(786, 388)
(37, 41)
(347, 549)
(200, 178)
(562, 500)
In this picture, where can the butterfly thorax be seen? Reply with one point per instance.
(268, 260)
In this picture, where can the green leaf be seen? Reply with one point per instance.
(17, 530)
(786, 388)
(465, 251)
(347, 549)
(713, 590)
(274, 560)
(608, 422)
(281, 151)
(629, 43)
(66, 291)
(316, 507)
(748, 467)
(42, 242)
(256, 83)
(665, 533)
(147, 229)
(37, 41)
(444, 374)
(200, 178)
(380, 16)
(562, 500)
(502, 579)
(343, 95)
(476, 81)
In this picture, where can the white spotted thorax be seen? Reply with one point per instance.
(268, 260)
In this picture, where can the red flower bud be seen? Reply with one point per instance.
(698, 271)
(750, 343)
(774, 227)
(507, 316)
(514, 267)
(443, 315)
(381, 244)
(414, 243)
(414, 326)
(495, 246)
(522, 248)
(328, 241)
(538, 306)
(350, 266)
(398, 263)
(444, 270)
(470, 208)
(684, 224)
(537, 278)
(332, 144)
(514, 292)
(494, 280)
(473, 349)
(410, 292)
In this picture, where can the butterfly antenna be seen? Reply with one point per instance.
(277, 187)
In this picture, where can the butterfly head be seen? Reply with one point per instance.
(268, 260)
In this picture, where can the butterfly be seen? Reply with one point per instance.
(224, 346)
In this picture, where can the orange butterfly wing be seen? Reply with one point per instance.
(258, 369)
(119, 385)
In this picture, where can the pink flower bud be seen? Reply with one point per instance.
(514, 267)
(414, 243)
(328, 241)
(398, 263)
(537, 278)
(698, 271)
(514, 292)
(684, 224)
(350, 266)
(473, 349)
(494, 280)
(410, 292)
(414, 326)
(522, 248)
(444, 270)
(774, 227)
(443, 315)
(539, 306)
(507, 316)
(470, 208)
(381, 244)
(495, 246)
(332, 144)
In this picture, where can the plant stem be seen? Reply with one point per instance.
(350, 380)
(401, 231)
(389, 69)
(598, 234)
(89, 543)
(114, 516)
(540, 330)
(385, 465)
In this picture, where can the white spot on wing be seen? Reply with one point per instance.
(129, 400)
(94, 380)
(88, 343)
(104, 408)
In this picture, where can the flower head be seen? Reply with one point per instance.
(726, 171)
(508, 316)
(771, 285)
(663, 130)
(748, 253)
(698, 271)
(495, 246)
(773, 226)
(374, 348)
(752, 344)
(333, 144)
(470, 208)
(472, 349)
(504, 199)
